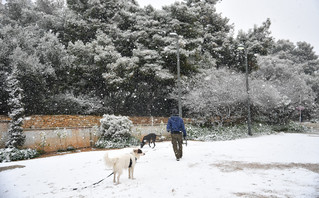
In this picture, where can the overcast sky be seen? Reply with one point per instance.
(295, 20)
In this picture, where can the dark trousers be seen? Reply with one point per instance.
(177, 141)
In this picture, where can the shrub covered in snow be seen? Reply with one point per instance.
(291, 127)
(13, 154)
(225, 133)
(116, 132)
(239, 131)
(296, 127)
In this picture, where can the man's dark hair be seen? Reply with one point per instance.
(174, 112)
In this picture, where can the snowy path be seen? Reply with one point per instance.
(282, 165)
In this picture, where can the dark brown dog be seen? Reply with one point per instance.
(150, 138)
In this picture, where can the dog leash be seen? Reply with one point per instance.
(95, 182)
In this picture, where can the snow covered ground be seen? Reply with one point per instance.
(281, 165)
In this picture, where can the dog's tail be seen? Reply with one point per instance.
(109, 161)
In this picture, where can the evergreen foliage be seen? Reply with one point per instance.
(111, 56)
(16, 138)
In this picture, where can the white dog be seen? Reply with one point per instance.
(123, 161)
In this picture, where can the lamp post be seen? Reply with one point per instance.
(243, 47)
(173, 34)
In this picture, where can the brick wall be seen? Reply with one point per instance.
(67, 121)
(78, 121)
(79, 129)
(60, 121)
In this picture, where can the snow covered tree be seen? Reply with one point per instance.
(114, 17)
(123, 31)
(214, 30)
(289, 80)
(301, 60)
(143, 80)
(38, 55)
(98, 56)
(258, 42)
(56, 63)
(32, 75)
(16, 138)
(304, 52)
(90, 61)
(301, 53)
(268, 105)
(203, 31)
(215, 96)
(77, 28)
(52, 17)
(19, 12)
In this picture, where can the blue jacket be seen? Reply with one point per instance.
(176, 123)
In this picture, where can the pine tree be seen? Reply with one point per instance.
(258, 42)
(16, 137)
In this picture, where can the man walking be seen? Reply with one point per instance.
(176, 127)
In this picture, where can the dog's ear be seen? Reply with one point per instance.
(137, 151)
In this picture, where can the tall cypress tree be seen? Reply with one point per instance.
(16, 138)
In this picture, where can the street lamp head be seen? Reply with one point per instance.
(241, 47)
(173, 34)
